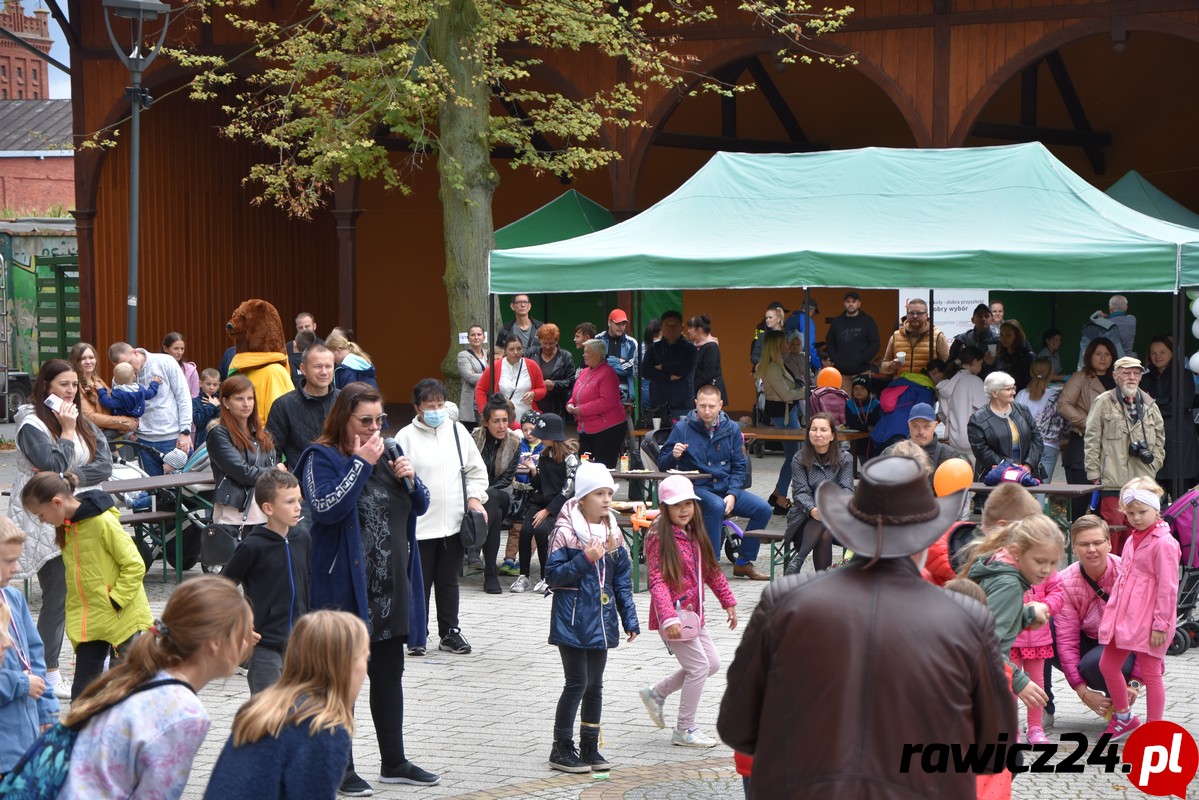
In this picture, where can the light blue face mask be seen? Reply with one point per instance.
(435, 417)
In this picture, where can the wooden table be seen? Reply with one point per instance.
(777, 434)
(635, 538)
(1059, 496)
(176, 482)
(654, 475)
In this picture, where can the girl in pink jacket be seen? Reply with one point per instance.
(1034, 645)
(1142, 610)
(680, 562)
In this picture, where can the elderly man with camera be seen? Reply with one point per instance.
(1125, 436)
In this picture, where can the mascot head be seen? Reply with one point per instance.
(255, 327)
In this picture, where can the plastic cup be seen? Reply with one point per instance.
(901, 357)
(657, 423)
(992, 349)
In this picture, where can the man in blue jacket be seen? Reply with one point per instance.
(622, 354)
(706, 440)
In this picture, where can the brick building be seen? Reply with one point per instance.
(37, 173)
(22, 74)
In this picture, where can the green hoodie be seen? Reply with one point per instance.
(1005, 588)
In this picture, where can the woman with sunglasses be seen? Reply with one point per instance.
(365, 498)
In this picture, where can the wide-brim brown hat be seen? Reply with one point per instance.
(892, 513)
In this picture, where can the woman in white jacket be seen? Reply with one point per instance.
(959, 396)
(442, 452)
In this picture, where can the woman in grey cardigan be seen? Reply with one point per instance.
(821, 459)
(471, 363)
(1002, 430)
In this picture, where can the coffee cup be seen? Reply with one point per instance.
(901, 357)
(992, 348)
(657, 423)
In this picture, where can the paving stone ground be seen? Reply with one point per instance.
(484, 720)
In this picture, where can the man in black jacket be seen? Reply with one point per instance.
(669, 365)
(852, 341)
(297, 418)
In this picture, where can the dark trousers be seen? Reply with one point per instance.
(497, 505)
(264, 669)
(386, 672)
(1088, 664)
(52, 619)
(584, 685)
(540, 533)
(89, 661)
(605, 445)
(441, 561)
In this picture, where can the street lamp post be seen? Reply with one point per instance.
(136, 60)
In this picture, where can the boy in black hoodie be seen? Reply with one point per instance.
(272, 565)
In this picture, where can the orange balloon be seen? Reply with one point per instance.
(952, 476)
(829, 377)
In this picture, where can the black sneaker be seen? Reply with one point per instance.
(416, 651)
(453, 642)
(565, 758)
(409, 773)
(353, 786)
(491, 584)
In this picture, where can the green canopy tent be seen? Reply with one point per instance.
(1137, 193)
(566, 216)
(1010, 217)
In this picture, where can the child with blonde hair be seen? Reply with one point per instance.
(1141, 611)
(680, 562)
(1006, 562)
(26, 706)
(352, 362)
(292, 740)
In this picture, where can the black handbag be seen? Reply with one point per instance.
(221, 539)
(473, 531)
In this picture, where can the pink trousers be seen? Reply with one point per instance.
(698, 660)
(1035, 667)
(1148, 668)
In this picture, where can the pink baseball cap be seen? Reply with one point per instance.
(675, 489)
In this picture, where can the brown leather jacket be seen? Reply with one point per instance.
(837, 672)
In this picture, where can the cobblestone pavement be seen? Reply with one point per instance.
(484, 720)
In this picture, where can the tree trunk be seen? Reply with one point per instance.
(467, 178)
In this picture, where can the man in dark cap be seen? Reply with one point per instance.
(852, 341)
(981, 336)
(838, 673)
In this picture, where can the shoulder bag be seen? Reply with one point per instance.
(473, 531)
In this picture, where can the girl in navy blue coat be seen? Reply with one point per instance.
(591, 577)
(292, 740)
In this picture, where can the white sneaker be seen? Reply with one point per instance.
(521, 584)
(541, 587)
(653, 705)
(692, 738)
(63, 690)
(1047, 720)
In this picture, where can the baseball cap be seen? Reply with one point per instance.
(852, 296)
(922, 411)
(675, 489)
(618, 316)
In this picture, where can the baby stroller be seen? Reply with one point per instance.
(1183, 518)
(157, 539)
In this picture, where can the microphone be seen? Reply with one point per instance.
(392, 450)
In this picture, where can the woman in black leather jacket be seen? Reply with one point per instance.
(240, 450)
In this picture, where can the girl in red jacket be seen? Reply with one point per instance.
(680, 561)
(1141, 612)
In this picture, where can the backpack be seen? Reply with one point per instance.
(42, 771)
(829, 400)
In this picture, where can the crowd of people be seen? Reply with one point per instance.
(350, 536)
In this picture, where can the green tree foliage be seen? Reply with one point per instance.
(374, 88)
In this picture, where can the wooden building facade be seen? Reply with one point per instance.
(1102, 83)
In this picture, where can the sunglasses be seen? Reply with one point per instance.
(380, 420)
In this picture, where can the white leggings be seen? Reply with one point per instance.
(698, 660)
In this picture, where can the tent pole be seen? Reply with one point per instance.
(808, 326)
(1181, 416)
(637, 328)
(490, 344)
(932, 337)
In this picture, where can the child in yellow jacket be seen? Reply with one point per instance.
(106, 601)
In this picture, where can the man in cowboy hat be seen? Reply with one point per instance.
(837, 672)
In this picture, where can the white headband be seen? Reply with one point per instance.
(1142, 495)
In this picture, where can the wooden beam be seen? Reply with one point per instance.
(688, 141)
(72, 35)
(1028, 133)
(1078, 116)
(778, 103)
(1028, 95)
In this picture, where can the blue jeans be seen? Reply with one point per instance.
(748, 505)
(1049, 458)
(151, 465)
(783, 485)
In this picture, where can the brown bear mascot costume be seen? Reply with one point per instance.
(257, 333)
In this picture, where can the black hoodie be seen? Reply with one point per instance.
(273, 570)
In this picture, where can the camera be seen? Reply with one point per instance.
(1140, 449)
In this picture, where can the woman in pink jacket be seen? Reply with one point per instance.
(1034, 646)
(595, 403)
(680, 562)
(1142, 612)
(1087, 585)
